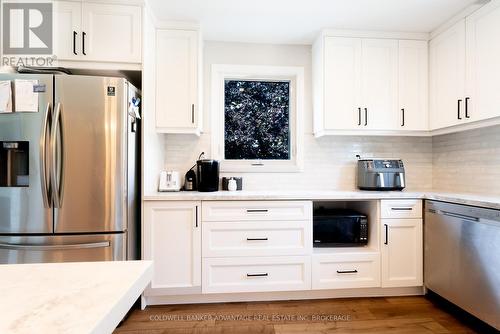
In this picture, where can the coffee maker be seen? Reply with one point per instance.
(208, 174)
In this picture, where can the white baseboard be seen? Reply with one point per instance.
(283, 295)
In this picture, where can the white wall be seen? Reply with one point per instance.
(468, 161)
(329, 161)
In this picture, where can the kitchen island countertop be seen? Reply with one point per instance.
(77, 297)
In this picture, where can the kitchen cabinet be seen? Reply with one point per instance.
(67, 30)
(379, 83)
(447, 84)
(178, 81)
(97, 32)
(111, 33)
(413, 85)
(346, 270)
(483, 66)
(402, 243)
(356, 86)
(172, 239)
(342, 84)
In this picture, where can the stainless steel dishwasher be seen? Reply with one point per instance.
(462, 257)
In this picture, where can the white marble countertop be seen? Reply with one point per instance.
(78, 297)
(468, 199)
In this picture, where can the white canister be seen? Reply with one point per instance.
(231, 185)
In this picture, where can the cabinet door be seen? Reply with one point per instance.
(177, 81)
(402, 252)
(483, 54)
(447, 68)
(379, 75)
(413, 85)
(342, 83)
(172, 239)
(111, 33)
(67, 30)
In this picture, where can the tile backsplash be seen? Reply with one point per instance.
(329, 162)
(467, 161)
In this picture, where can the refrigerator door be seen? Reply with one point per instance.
(24, 181)
(70, 248)
(89, 166)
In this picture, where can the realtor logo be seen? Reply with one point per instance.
(27, 28)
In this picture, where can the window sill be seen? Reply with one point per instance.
(260, 167)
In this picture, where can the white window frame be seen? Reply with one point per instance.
(295, 75)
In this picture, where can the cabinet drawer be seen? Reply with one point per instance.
(401, 208)
(344, 271)
(267, 238)
(256, 210)
(259, 274)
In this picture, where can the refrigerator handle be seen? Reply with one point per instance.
(57, 188)
(29, 247)
(44, 158)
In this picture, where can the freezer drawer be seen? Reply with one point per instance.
(68, 248)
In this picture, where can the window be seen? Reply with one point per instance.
(255, 112)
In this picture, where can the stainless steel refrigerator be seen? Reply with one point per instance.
(69, 171)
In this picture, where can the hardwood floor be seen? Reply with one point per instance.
(350, 315)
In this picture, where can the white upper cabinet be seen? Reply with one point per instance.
(67, 30)
(379, 87)
(413, 85)
(97, 32)
(178, 64)
(342, 83)
(483, 62)
(447, 86)
(111, 33)
(356, 85)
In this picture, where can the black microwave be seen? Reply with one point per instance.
(339, 228)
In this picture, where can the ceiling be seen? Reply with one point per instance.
(299, 21)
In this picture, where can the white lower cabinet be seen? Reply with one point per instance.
(269, 238)
(345, 271)
(256, 274)
(172, 239)
(402, 252)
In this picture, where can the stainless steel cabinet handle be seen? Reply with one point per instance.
(366, 116)
(57, 188)
(31, 247)
(359, 116)
(257, 239)
(403, 117)
(347, 271)
(258, 275)
(401, 209)
(43, 158)
(386, 227)
(192, 113)
(257, 210)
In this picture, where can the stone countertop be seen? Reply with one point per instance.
(77, 297)
(467, 199)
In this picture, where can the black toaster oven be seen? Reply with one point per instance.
(339, 228)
